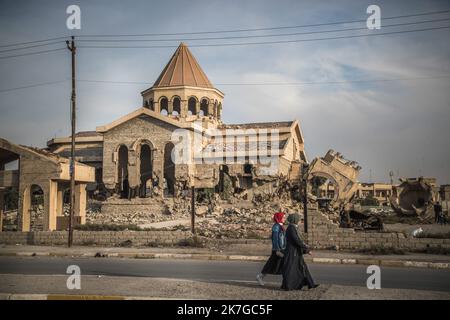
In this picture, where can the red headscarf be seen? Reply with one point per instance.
(278, 217)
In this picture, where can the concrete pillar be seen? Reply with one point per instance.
(211, 108)
(184, 108)
(24, 220)
(197, 108)
(80, 202)
(2, 208)
(50, 205)
(60, 202)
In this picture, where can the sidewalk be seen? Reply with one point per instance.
(53, 287)
(243, 252)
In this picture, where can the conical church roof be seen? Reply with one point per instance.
(182, 70)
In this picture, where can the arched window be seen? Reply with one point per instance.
(164, 106)
(176, 102)
(146, 104)
(192, 106)
(204, 107)
(151, 105)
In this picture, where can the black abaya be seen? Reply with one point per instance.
(295, 271)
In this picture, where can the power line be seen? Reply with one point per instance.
(33, 85)
(31, 42)
(223, 31)
(238, 84)
(263, 36)
(33, 46)
(284, 83)
(234, 44)
(269, 42)
(262, 29)
(232, 37)
(333, 82)
(31, 53)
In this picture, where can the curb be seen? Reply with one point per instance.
(15, 296)
(387, 263)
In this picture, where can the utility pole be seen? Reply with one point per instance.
(193, 209)
(304, 184)
(72, 48)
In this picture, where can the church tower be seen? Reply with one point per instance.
(183, 91)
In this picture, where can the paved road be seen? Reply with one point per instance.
(219, 271)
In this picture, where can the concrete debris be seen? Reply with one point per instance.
(335, 172)
(415, 198)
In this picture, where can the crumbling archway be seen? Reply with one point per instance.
(9, 206)
(35, 209)
(323, 186)
(122, 171)
(169, 169)
(145, 166)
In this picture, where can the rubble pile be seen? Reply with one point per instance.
(249, 222)
(10, 220)
(172, 209)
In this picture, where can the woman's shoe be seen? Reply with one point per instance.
(314, 286)
(259, 278)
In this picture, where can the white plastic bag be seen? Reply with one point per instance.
(416, 232)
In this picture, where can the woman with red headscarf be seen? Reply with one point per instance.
(275, 262)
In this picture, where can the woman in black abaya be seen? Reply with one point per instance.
(295, 271)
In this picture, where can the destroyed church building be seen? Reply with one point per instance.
(135, 151)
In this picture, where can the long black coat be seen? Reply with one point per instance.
(295, 271)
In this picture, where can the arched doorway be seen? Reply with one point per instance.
(122, 172)
(169, 169)
(9, 209)
(146, 168)
(36, 209)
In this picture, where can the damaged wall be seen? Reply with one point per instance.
(341, 173)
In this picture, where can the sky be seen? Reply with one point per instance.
(400, 125)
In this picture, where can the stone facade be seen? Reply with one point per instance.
(133, 134)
